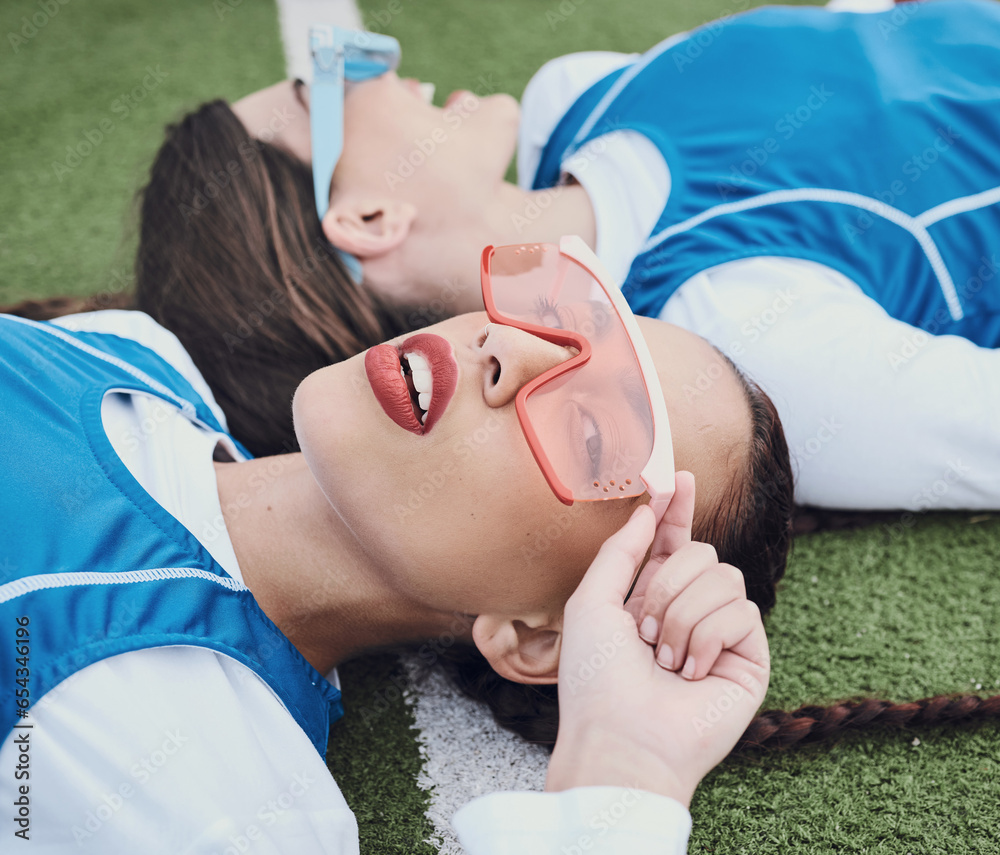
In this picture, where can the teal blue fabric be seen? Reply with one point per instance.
(96, 566)
(866, 142)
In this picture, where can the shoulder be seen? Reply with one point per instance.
(141, 328)
(181, 739)
(550, 93)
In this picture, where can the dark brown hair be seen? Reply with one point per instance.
(233, 261)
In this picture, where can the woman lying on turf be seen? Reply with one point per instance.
(175, 603)
(859, 290)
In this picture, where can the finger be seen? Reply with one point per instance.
(664, 584)
(752, 677)
(608, 578)
(673, 531)
(724, 629)
(710, 591)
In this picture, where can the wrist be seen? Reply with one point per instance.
(592, 757)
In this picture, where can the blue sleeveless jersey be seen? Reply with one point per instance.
(866, 142)
(92, 565)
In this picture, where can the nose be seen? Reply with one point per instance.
(510, 357)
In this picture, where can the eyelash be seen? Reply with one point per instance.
(544, 306)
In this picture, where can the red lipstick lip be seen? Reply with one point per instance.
(382, 365)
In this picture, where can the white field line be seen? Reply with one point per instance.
(297, 15)
(465, 753)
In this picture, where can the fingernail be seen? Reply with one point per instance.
(688, 671)
(649, 629)
(665, 658)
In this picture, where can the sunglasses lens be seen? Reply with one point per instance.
(593, 425)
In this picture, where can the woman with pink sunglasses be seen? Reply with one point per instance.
(175, 604)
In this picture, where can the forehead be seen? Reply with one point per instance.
(279, 115)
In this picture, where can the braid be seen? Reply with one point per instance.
(780, 729)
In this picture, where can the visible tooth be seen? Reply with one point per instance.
(424, 399)
(427, 91)
(423, 419)
(417, 362)
(423, 380)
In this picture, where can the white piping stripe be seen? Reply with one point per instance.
(186, 406)
(29, 584)
(841, 197)
(618, 86)
(961, 205)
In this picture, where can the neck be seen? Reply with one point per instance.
(306, 569)
(543, 216)
(512, 216)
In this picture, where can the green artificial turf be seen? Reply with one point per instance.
(102, 78)
(374, 757)
(894, 610)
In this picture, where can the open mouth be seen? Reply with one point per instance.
(414, 382)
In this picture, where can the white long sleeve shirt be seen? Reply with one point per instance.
(183, 750)
(878, 414)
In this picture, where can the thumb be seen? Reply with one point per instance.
(610, 574)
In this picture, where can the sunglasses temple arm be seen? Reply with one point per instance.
(658, 504)
(562, 271)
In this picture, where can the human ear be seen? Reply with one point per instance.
(368, 226)
(522, 650)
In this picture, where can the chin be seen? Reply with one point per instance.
(504, 119)
(325, 405)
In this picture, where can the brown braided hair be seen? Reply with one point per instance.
(781, 729)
